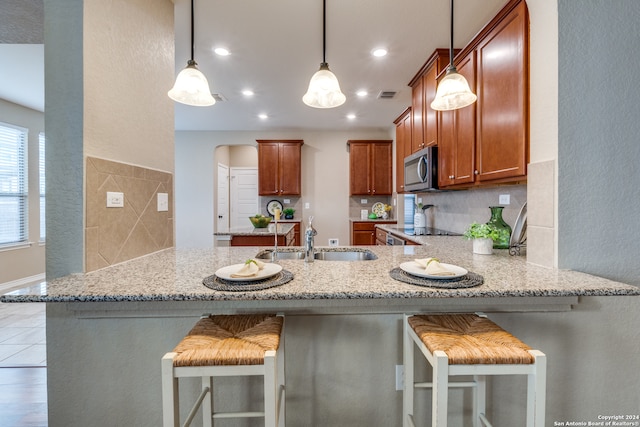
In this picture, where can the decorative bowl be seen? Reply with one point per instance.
(260, 222)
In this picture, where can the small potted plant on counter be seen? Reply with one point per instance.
(288, 213)
(483, 236)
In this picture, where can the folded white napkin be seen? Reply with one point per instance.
(250, 268)
(433, 267)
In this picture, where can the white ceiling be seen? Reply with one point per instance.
(275, 48)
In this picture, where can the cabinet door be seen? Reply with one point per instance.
(465, 128)
(503, 98)
(430, 115)
(381, 169)
(417, 105)
(268, 177)
(456, 144)
(359, 159)
(403, 147)
(289, 169)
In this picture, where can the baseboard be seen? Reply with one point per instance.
(21, 283)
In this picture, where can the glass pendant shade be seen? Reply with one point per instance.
(324, 90)
(453, 92)
(191, 87)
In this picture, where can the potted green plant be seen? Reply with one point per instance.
(483, 236)
(288, 213)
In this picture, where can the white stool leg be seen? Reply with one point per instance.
(440, 389)
(270, 389)
(479, 399)
(207, 403)
(407, 361)
(536, 391)
(170, 408)
(280, 390)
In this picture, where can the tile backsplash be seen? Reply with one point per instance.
(114, 235)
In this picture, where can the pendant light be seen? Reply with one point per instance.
(191, 85)
(453, 90)
(324, 89)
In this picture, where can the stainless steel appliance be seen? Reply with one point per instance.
(421, 170)
(394, 241)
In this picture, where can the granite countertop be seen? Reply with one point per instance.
(283, 230)
(358, 219)
(419, 239)
(177, 275)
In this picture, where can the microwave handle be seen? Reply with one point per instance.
(423, 169)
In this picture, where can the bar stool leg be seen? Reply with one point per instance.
(479, 399)
(270, 390)
(536, 391)
(280, 390)
(440, 389)
(170, 411)
(207, 403)
(408, 386)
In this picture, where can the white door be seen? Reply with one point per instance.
(244, 196)
(222, 223)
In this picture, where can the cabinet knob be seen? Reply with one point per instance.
(374, 191)
(476, 172)
(451, 176)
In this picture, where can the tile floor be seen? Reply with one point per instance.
(22, 335)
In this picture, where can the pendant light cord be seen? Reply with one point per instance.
(192, 43)
(451, 66)
(324, 31)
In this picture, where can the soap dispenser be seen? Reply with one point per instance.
(420, 219)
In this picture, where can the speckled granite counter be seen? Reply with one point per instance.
(176, 275)
(283, 229)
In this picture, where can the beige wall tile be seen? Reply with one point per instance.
(541, 194)
(540, 246)
(117, 234)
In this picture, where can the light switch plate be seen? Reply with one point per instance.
(363, 201)
(115, 199)
(504, 199)
(307, 205)
(334, 242)
(163, 202)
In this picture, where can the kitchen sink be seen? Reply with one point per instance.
(324, 254)
(349, 255)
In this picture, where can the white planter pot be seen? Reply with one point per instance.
(483, 246)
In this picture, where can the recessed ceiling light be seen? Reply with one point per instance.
(380, 51)
(221, 51)
(263, 116)
(247, 92)
(351, 116)
(362, 93)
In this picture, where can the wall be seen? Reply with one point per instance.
(25, 264)
(598, 150)
(94, 67)
(325, 180)
(115, 235)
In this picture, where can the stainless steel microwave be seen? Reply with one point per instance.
(421, 170)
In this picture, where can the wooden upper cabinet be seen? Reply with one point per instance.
(279, 167)
(456, 148)
(417, 106)
(424, 127)
(403, 146)
(370, 167)
(488, 142)
(503, 98)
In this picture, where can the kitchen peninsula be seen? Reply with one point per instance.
(251, 236)
(110, 327)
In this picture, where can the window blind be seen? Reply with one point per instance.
(41, 149)
(13, 184)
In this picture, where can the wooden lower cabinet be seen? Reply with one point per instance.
(266, 240)
(381, 237)
(364, 232)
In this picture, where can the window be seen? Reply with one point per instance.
(43, 229)
(13, 184)
(409, 209)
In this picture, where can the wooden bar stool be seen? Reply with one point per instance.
(472, 345)
(217, 346)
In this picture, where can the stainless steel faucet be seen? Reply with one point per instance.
(309, 234)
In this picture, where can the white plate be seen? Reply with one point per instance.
(270, 269)
(415, 269)
(378, 209)
(519, 234)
